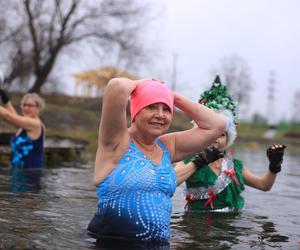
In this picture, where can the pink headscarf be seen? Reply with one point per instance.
(150, 92)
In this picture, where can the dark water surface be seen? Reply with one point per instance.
(51, 209)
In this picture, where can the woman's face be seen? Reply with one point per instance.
(29, 107)
(154, 119)
(221, 142)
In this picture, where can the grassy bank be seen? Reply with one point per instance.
(79, 117)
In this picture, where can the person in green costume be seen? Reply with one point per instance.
(214, 183)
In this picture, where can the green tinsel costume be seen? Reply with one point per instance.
(204, 189)
(224, 190)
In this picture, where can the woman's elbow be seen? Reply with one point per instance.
(113, 83)
(263, 187)
(116, 85)
(266, 188)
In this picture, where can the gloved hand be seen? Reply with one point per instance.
(275, 155)
(208, 155)
(4, 97)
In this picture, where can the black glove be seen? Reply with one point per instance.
(4, 97)
(207, 156)
(275, 155)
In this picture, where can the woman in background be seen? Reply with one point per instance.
(216, 184)
(27, 146)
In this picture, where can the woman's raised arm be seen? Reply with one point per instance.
(188, 142)
(113, 124)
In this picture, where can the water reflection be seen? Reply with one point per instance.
(51, 209)
(209, 230)
(269, 235)
(25, 180)
(203, 230)
(19, 200)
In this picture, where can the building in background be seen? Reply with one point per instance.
(92, 83)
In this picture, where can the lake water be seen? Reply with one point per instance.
(51, 210)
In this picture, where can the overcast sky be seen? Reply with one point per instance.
(265, 33)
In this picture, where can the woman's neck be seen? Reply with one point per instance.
(142, 139)
(147, 146)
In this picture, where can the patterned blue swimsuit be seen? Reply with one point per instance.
(25, 152)
(135, 198)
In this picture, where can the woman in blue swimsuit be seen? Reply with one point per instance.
(27, 146)
(133, 172)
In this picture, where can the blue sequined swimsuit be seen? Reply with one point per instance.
(25, 152)
(135, 199)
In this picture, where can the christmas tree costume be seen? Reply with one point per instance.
(204, 189)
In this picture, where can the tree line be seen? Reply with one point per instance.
(34, 35)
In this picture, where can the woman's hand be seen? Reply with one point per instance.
(206, 156)
(275, 155)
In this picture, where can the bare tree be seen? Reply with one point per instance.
(235, 73)
(36, 33)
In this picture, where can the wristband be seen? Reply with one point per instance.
(275, 168)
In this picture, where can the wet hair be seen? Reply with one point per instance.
(39, 101)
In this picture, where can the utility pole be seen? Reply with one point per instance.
(296, 108)
(271, 109)
(174, 70)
